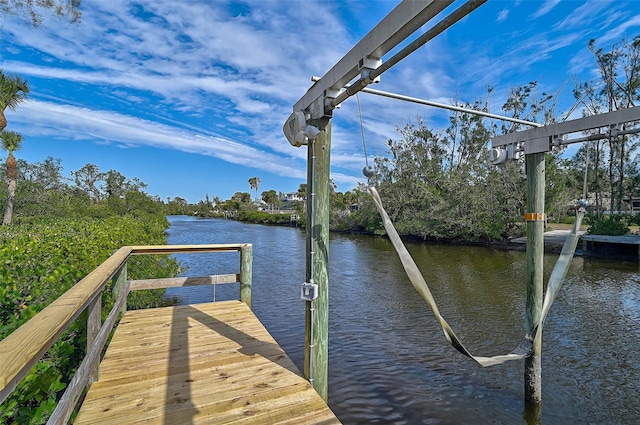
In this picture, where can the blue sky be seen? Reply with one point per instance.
(190, 96)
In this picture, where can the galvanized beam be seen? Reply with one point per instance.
(541, 139)
(399, 24)
(368, 76)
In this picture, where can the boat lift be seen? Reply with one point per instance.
(310, 124)
(535, 143)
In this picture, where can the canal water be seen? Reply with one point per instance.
(389, 362)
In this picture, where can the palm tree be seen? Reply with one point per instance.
(13, 91)
(11, 141)
(254, 182)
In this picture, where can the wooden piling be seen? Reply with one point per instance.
(535, 220)
(316, 351)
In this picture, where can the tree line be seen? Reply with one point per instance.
(437, 183)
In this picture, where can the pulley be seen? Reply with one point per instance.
(369, 171)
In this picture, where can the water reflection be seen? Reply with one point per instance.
(389, 361)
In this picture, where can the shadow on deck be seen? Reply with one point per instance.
(209, 363)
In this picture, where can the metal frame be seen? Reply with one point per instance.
(543, 139)
(399, 24)
(311, 118)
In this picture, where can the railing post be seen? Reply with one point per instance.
(246, 271)
(119, 283)
(94, 322)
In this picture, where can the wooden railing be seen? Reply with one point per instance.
(22, 349)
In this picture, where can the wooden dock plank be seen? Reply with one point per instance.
(199, 364)
(620, 239)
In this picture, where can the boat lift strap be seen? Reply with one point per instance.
(525, 349)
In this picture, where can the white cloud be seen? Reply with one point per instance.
(586, 15)
(503, 15)
(545, 8)
(37, 118)
(192, 45)
(618, 32)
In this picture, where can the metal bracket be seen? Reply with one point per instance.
(501, 154)
(309, 291)
(541, 138)
(366, 65)
(369, 62)
(399, 24)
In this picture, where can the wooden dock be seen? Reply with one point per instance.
(551, 237)
(624, 247)
(209, 363)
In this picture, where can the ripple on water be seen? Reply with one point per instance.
(389, 362)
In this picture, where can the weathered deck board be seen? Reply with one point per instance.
(199, 364)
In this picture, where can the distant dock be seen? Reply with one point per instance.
(553, 239)
(624, 247)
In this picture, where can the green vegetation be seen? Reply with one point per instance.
(612, 225)
(240, 206)
(35, 10)
(60, 233)
(263, 217)
(437, 184)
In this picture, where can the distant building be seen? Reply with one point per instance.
(292, 196)
(632, 204)
(260, 204)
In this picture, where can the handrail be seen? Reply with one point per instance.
(86, 373)
(179, 249)
(22, 349)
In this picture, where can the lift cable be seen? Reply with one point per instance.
(364, 143)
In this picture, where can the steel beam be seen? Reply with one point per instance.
(399, 24)
(543, 137)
